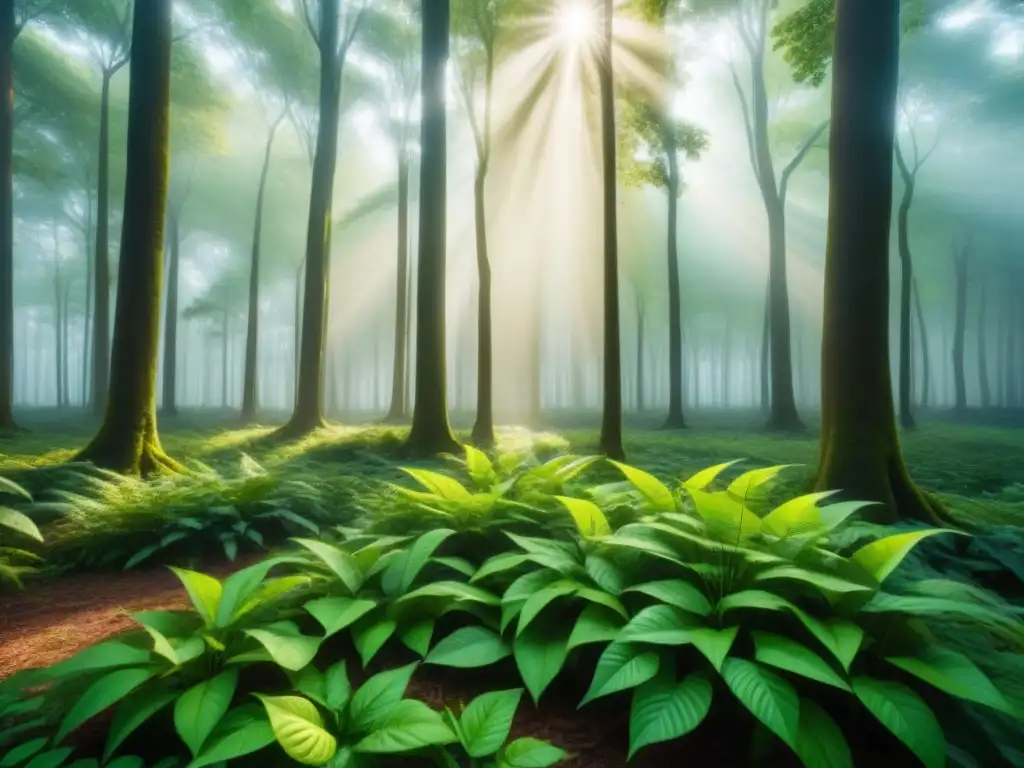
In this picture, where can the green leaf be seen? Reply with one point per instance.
(341, 563)
(458, 564)
(823, 581)
(796, 517)
(201, 707)
(132, 712)
(377, 696)
(590, 520)
(454, 590)
(103, 693)
(487, 720)
(620, 667)
(310, 683)
(768, 697)
(715, 644)
(727, 519)
(880, 558)
(904, 713)
(409, 725)
(596, 624)
(370, 638)
(417, 637)
(955, 674)
(337, 687)
(540, 652)
(659, 625)
(664, 710)
(204, 592)
(241, 732)
(658, 496)
(287, 647)
(299, 729)
(55, 758)
(783, 653)
(530, 753)
(820, 742)
(750, 481)
(701, 480)
(238, 587)
(402, 571)
(500, 563)
(12, 488)
(676, 592)
(556, 555)
(469, 647)
(23, 752)
(480, 468)
(336, 613)
(538, 601)
(441, 485)
(20, 522)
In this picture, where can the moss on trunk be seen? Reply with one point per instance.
(128, 441)
(860, 451)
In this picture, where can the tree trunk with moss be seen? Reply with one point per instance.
(127, 440)
(860, 451)
(8, 33)
(431, 433)
(250, 399)
(610, 441)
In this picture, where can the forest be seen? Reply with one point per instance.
(511, 383)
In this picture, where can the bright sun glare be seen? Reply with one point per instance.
(576, 21)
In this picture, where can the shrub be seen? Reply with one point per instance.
(15, 526)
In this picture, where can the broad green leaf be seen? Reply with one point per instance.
(239, 587)
(527, 585)
(12, 488)
(169, 623)
(659, 625)
(111, 654)
(530, 753)
(417, 636)
(287, 647)
(955, 674)
(636, 544)
(904, 713)
(676, 592)
(409, 725)
(752, 480)
(402, 571)
(605, 573)
(882, 557)
(310, 683)
(768, 697)
(620, 667)
(204, 592)
(486, 722)
(377, 696)
(23, 752)
(55, 758)
(540, 652)
(370, 637)
(20, 522)
(596, 624)
(601, 597)
(727, 519)
(458, 564)
(299, 729)
(201, 707)
(339, 562)
(783, 653)
(820, 742)
(664, 710)
(441, 485)
(469, 647)
(651, 488)
(480, 468)
(701, 480)
(336, 613)
(454, 590)
(823, 581)
(715, 644)
(240, 732)
(499, 564)
(540, 600)
(590, 520)
(337, 687)
(132, 712)
(835, 514)
(103, 693)
(796, 517)
(556, 555)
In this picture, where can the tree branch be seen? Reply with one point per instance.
(748, 126)
(307, 17)
(799, 157)
(467, 99)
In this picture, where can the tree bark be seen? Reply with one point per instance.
(860, 452)
(89, 278)
(984, 385)
(250, 395)
(8, 33)
(483, 428)
(960, 259)
(676, 419)
(398, 411)
(610, 441)
(765, 354)
(926, 364)
(308, 413)
(127, 440)
(640, 404)
(101, 273)
(906, 285)
(431, 432)
(170, 367)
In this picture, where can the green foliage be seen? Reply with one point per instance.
(15, 526)
(651, 142)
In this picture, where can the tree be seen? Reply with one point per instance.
(860, 451)
(128, 440)
(175, 207)
(961, 258)
(431, 432)
(333, 40)
(660, 138)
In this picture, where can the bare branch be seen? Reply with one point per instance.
(748, 126)
(901, 163)
(467, 98)
(798, 158)
(307, 17)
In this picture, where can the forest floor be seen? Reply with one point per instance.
(974, 470)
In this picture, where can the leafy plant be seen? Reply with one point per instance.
(15, 561)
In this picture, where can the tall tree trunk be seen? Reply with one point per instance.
(765, 352)
(960, 259)
(483, 428)
(610, 440)
(398, 410)
(308, 413)
(926, 363)
(675, 419)
(128, 440)
(89, 279)
(860, 451)
(431, 433)
(170, 367)
(984, 386)
(906, 285)
(8, 33)
(65, 322)
(225, 366)
(250, 396)
(58, 339)
(726, 360)
(101, 284)
(640, 404)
